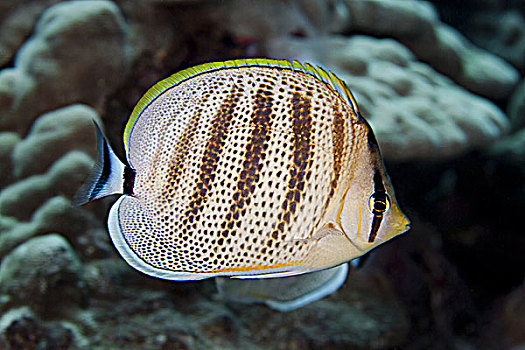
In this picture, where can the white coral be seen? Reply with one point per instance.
(417, 113)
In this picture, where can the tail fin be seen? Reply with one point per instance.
(106, 177)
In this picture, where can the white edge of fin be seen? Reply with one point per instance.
(328, 288)
(138, 264)
(106, 177)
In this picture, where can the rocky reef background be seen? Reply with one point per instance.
(442, 85)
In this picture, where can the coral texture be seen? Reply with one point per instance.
(439, 83)
(416, 112)
(89, 33)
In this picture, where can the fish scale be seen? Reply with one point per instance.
(243, 169)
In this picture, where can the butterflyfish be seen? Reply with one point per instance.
(248, 168)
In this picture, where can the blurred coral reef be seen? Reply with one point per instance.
(441, 84)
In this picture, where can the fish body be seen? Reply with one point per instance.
(246, 168)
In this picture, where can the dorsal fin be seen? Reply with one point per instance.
(326, 76)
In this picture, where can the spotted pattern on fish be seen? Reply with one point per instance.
(179, 155)
(300, 169)
(252, 168)
(236, 167)
(254, 155)
(339, 146)
(220, 125)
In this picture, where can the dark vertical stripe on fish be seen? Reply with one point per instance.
(254, 155)
(380, 199)
(370, 137)
(180, 155)
(302, 161)
(219, 127)
(338, 149)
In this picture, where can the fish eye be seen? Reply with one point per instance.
(379, 203)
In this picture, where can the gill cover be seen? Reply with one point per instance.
(370, 214)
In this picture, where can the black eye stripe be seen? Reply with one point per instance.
(380, 205)
(379, 187)
(376, 223)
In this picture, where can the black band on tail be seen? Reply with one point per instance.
(129, 180)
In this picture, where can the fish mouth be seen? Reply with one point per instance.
(405, 224)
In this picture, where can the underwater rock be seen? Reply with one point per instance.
(505, 328)
(416, 113)
(104, 276)
(81, 227)
(150, 30)
(513, 317)
(14, 233)
(416, 24)
(53, 69)
(8, 141)
(86, 233)
(429, 286)
(363, 314)
(22, 329)
(42, 272)
(52, 135)
(7, 319)
(502, 33)
(17, 19)
(64, 177)
(511, 148)
(516, 107)
(479, 71)
(396, 18)
(302, 18)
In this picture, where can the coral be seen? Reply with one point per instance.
(510, 148)
(400, 19)
(42, 271)
(423, 277)
(149, 30)
(80, 226)
(64, 177)
(44, 78)
(363, 314)
(416, 25)
(512, 318)
(304, 18)
(428, 92)
(8, 141)
(17, 19)
(415, 112)
(52, 135)
(516, 107)
(502, 33)
(21, 329)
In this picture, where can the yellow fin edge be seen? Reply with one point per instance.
(250, 268)
(160, 87)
